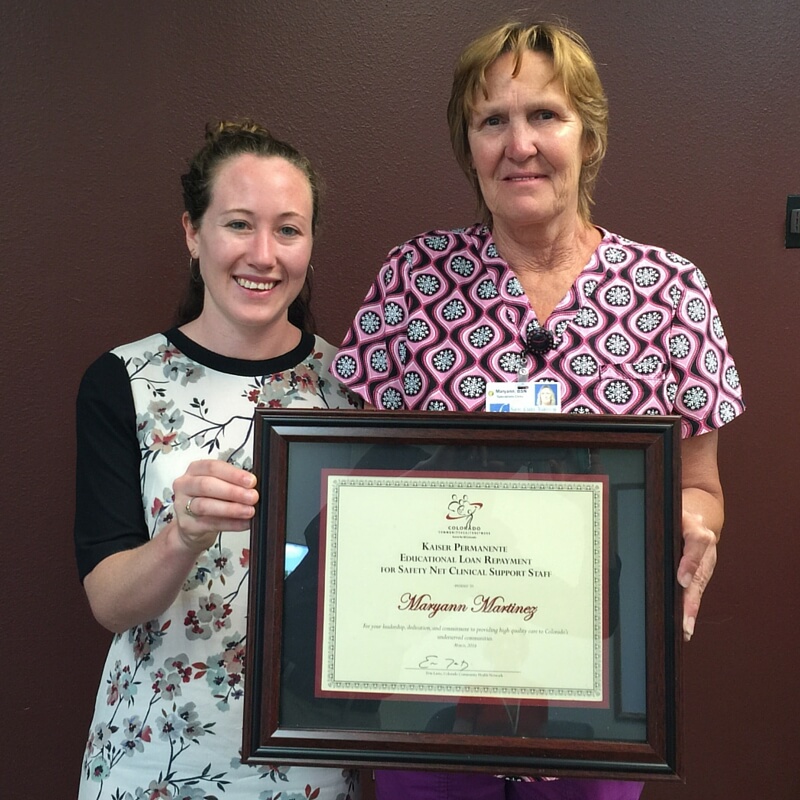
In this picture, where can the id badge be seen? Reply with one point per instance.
(541, 397)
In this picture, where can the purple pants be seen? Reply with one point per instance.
(402, 785)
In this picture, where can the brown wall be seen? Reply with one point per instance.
(101, 104)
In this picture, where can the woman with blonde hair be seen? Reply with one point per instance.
(535, 292)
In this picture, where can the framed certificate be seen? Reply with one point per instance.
(488, 592)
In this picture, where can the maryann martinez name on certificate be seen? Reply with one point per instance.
(481, 604)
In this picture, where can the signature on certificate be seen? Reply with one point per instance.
(448, 664)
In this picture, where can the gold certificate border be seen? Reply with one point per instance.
(338, 593)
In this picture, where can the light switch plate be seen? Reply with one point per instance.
(793, 220)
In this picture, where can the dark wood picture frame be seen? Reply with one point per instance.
(293, 448)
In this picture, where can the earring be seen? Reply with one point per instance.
(311, 267)
(194, 269)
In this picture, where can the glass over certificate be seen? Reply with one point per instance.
(488, 592)
(462, 585)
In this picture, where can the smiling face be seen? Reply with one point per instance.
(254, 245)
(526, 145)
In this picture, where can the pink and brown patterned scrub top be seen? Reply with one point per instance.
(637, 333)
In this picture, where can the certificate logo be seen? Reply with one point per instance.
(460, 508)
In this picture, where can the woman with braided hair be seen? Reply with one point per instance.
(164, 492)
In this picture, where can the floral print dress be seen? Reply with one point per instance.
(168, 714)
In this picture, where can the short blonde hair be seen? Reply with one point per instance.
(574, 67)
